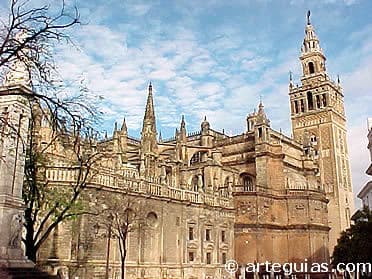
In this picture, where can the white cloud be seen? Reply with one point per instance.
(221, 78)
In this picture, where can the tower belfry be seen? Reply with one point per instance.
(312, 57)
(317, 110)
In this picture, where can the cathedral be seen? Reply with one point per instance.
(210, 197)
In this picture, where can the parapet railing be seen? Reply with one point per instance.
(134, 184)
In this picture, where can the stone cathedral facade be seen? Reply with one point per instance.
(210, 197)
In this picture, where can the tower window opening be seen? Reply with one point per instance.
(302, 105)
(260, 132)
(324, 100)
(311, 68)
(317, 101)
(296, 106)
(310, 100)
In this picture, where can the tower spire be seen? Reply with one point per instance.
(150, 112)
(148, 135)
(183, 134)
(183, 124)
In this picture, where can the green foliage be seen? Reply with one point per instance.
(355, 244)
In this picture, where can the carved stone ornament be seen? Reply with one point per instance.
(16, 225)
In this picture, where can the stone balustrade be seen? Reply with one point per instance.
(150, 186)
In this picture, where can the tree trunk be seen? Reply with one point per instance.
(122, 268)
(29, 239)
(123, 264)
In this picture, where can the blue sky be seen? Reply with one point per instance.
(216, 57)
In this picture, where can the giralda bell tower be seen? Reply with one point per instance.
(318, 118)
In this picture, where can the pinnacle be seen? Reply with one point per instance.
(124, 125)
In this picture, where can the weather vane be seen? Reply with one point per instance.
(308, 17)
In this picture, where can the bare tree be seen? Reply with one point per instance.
(27, 41)
(121, 215)
(30, 34)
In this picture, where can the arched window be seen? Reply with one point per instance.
(310, 103)
(247, 182)
(311, 68)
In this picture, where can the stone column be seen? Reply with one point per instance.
(15, 113)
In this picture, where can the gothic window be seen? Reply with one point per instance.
(195, 158)
(310, 100)
(311, 68)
